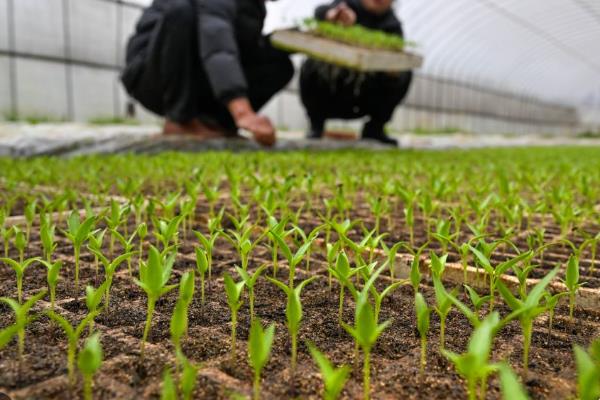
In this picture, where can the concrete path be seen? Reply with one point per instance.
(69, 139)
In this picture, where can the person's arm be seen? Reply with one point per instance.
(337, 12)
(220, 57)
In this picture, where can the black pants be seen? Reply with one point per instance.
(333, 92)
(170, 81)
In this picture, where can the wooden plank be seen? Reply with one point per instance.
(331, 51)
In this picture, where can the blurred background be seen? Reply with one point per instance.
(491, 66)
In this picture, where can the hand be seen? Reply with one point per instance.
(245, 118)
(341, 14)
(261, 128)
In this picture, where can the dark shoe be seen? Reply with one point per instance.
(376, 132)
(314, 134)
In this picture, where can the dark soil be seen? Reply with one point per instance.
(41, 374)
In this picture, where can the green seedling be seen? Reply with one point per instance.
(474, 365)
(179, 319)
(551, 303)
(334, 379)
(332, 253)
(423, 313)
(292, 259)
(95, 244)
(19, 268)
(250, 281)
(343, 272)
(208, 244)
(154, 275)
(527, 310)
(442, 307)
(5, 232)
(167, 231)
(30, 213)
(310, 238)
(78, 232)
(169, 389)
(510, 385)
(89, 361)
(495, 273)
(293, 312)
(110, 267)
(572, 283)
(588, 371)
(390, 254)
(233, 290)
(365, 332)
(117, 217)
(22, 319)
(202, 266)
(259, 349)
(52, 277)
(477, 300)
(278, 228)
(188, 379)
(438, 264)
(73, 334)
(142, 233)
(47, 236)
(93, 298)
(128, 247)
(20, 243)
(243, 245)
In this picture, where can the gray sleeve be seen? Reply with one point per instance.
(219, 49)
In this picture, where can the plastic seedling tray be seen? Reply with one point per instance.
(345, 55)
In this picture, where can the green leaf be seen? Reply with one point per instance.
(511, 387)
(483, 260)
(572, 274)
(588, 375)
(90, 357)
(334, 379)
(169, 390)
(7, 334)
(423, 313)
(260, 343)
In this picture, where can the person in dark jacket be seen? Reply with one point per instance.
(206, 67)
(328, 91)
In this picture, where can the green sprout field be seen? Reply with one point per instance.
(384, 275)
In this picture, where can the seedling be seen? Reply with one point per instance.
(7, 334)
(202, 266)
(343, 273)
(188, 379)
(47, 237)
(73, 334)
(588, 371)
(89, 361)
(117, 217)
(473, 365)
(334, 378)
(128, 247)
(259, 349)
(293, 311)
(20, 243)
(167, 231)
(78, 232)
(179, 319)
(19, 268)
(154, 276)
(442, 307)
(93, 298)
(30, 213)
(250, 281)
(22, 319)
(494, 274)
(110, 267)
(292, 259)
(526, 310)
(477, 300)
(510, 385)
(169, 390)
(208, 244)
(233, 290)
(390, 253)
(551, 303)
(365, 332)
(423, 316)
(572, 283)
(438, 264)
(95, 244)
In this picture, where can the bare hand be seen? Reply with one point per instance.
(341, 14)
(260, 126)
(245, 118)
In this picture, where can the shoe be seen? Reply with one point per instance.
(194, 128)
(314, 134)
(384, 139)
(376, 132)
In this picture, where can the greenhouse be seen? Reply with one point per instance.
(336, 199)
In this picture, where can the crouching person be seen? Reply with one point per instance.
(332, 92)
(206, 67)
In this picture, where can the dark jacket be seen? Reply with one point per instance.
(387, 22)
(228, 33)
